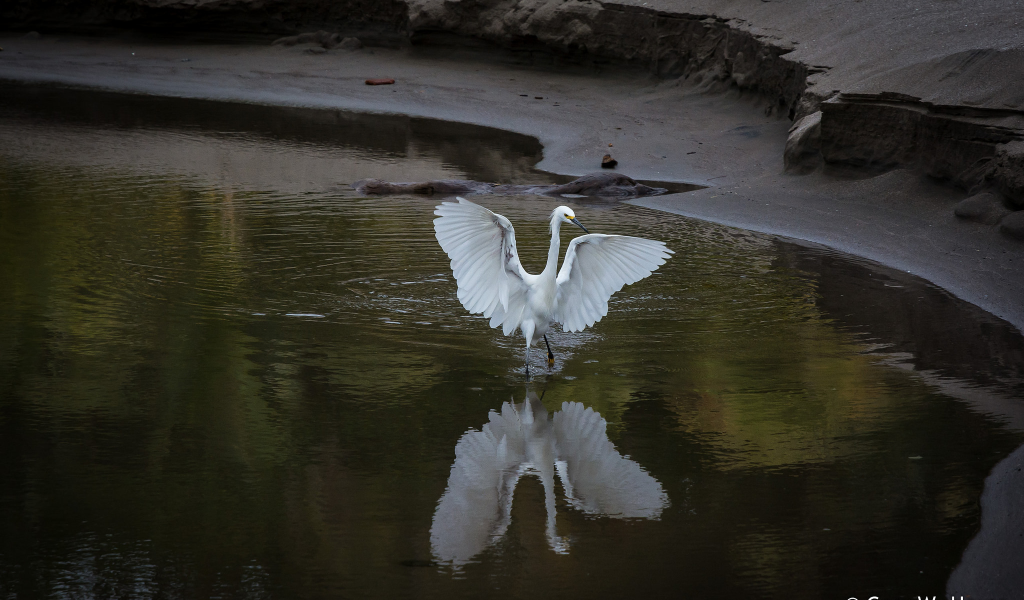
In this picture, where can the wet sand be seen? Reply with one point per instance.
(665, 130)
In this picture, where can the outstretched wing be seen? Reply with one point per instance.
(482, 246)
(595, 267)
(596, 478)
(476, 509)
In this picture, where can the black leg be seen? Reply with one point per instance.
(551, 357)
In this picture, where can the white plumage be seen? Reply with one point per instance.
(492, 282)
(476, 509)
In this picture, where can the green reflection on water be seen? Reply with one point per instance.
(254, 394)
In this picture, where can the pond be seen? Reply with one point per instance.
(224, 374)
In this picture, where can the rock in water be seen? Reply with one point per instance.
(602, 185)
(324, 39)
(380, 81)
(436, 186)
(608, 162)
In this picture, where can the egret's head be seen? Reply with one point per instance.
(564, 213)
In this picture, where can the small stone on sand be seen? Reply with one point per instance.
(324, 39)
(380, 81)
(1013, 224)
(608, 162)
(985, 207)
(350, 43)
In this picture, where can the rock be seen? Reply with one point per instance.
(324, 39)
(608, 162)
(350, 43)
(316, 37)
(606, 185)
(1008, 172)
(985, 207)
(32, 35)
(329, 40)
(380, 81)
(435, 186)
(810, 103)
(803, 146)
(1013, 225)
(290, 40)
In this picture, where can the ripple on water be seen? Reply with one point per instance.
(212, 384)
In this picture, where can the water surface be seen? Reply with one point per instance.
(224, 374)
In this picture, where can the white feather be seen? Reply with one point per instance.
(482, 248)
(476, 508)
(492, 282)
(595, 267)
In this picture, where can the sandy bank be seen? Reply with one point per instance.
(659, 130)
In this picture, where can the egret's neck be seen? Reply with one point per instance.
(552, 266)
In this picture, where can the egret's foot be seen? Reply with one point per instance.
(551, 359)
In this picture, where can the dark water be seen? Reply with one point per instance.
(223, 374)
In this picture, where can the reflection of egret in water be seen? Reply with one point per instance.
(476, 508)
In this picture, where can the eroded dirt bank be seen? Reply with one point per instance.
(872, 83)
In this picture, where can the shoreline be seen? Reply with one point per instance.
(663, 130)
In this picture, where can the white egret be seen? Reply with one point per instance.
(492, 282)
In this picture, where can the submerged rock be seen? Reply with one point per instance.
(605, 184)
(596, 184)
(436, 186)
(326, 40)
